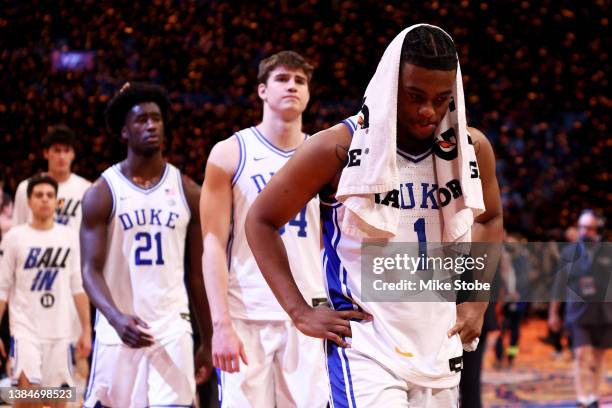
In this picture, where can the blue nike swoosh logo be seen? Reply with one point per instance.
(259, 158)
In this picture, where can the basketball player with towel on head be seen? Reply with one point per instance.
(262, 359)
(40, 278)
(405, 169)
(140, 219)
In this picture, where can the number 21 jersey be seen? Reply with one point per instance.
(144, 267)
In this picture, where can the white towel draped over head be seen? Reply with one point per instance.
(459, 191)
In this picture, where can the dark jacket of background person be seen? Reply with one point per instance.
(585, 283)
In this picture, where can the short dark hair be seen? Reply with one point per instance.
(429, 47)
(130, 94)
(41, 179)
(289, 59)
(59, 134)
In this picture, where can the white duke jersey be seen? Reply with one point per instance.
(69, 196)
(408, 337)
(40, 272)
(250, 297)
(144, 266)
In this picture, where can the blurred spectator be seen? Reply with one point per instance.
(583, 281)
(515, 268)
(541, 100)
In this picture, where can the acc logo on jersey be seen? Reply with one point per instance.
(445, 145)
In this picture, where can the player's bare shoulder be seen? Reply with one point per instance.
(97, 203)
(329, 149)
(480, 142)
(225, 155)
(331, 143)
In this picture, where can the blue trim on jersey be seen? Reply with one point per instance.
(344, 271)
(113, 196)
(92, 372)
(16, 354)
(412, 158)
(182, 190)
(220, 386)
(350, 377)
(336, 371)
(13, 355)
(269, 145)
(138, 188)
(71, 360)
(230, 242)
(336, 288)
(337, 229)
(349, 125)
(241, 158)
(335, 203)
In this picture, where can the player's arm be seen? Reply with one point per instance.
(96, 208)
(81, 304)
(83, 346)
(487, 228)
(315, 164)
(197, 291)
(215, 213)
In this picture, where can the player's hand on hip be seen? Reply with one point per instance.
(470, 316)
(324, 323)
(83, 346)
(203, 364)
(227, 349)
(130, 330)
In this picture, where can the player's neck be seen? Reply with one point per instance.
(59, 176)
(413, 146)
(41, 223)
(143, 167)
(284, 134)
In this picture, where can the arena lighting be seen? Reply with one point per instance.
(72, 61)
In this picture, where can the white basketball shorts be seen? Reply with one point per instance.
(286, 368)
(357, 380)
(49, 363)
(159, 375)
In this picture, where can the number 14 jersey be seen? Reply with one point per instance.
(144, 266)
(250, 297)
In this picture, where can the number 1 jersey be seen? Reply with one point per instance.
(144, 266)
(408, 337)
